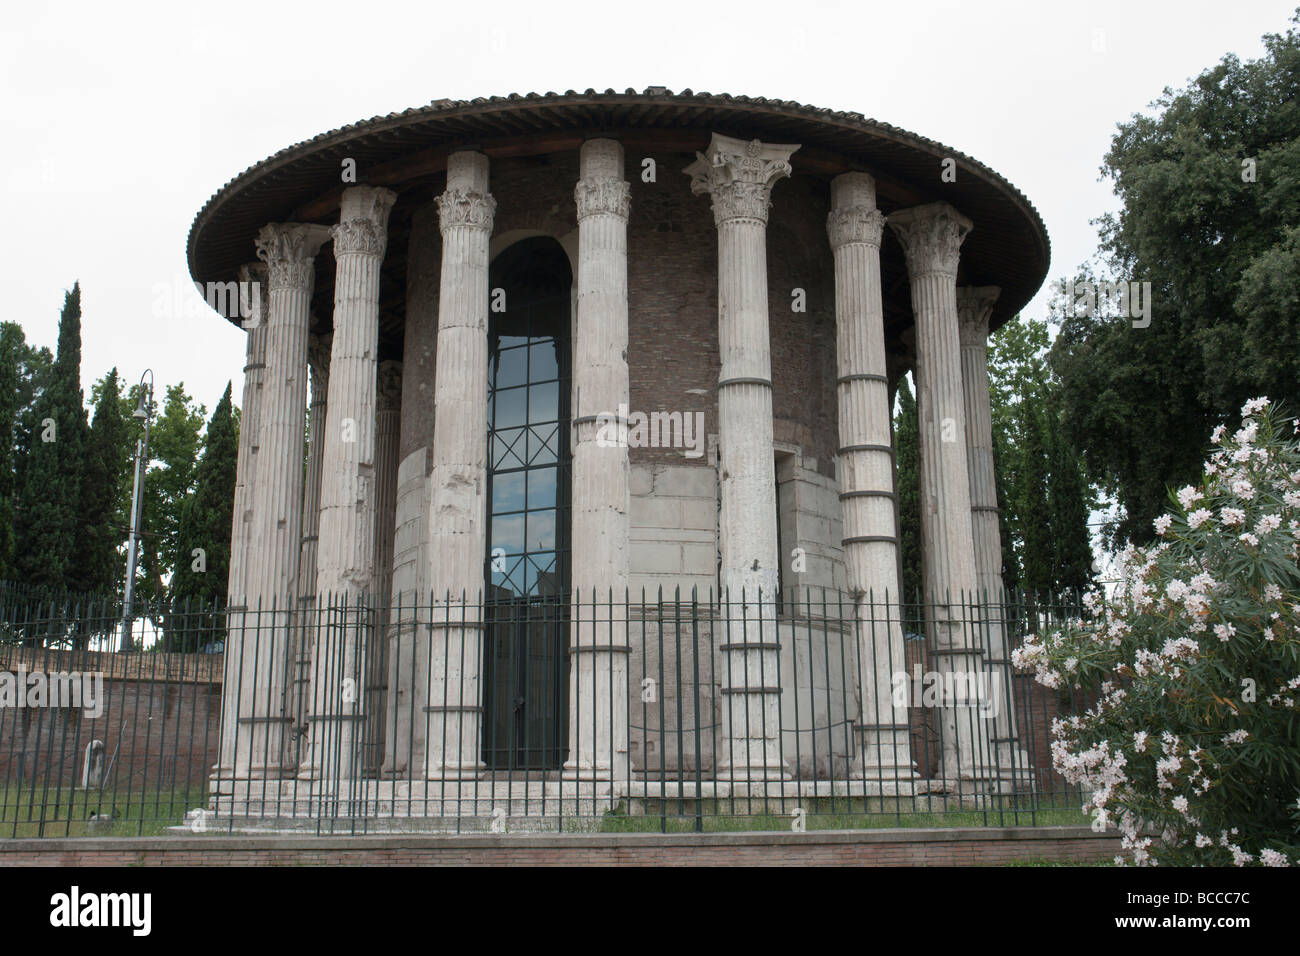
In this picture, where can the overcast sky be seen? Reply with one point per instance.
(122, 119)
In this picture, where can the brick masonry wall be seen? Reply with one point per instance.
(938, 847)
(159, 723)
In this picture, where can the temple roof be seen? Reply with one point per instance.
(1008, 246)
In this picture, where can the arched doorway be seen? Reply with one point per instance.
(527, 575)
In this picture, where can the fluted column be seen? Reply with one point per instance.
(387, 434)
(931, 236)
(242, 514)
(866, 475)
(346, 552)
(318, 367)
(263, 645)
(458, 478)
(974, 306)
(599, 642)
(739, 177)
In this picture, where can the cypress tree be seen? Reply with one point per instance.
(1067, 497)
(51, 495)
(199, 580)
(101, 530)
(12, 345)
(1033, 512)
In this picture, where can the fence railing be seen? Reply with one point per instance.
(658, 712)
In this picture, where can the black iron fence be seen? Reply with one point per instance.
(662, 712)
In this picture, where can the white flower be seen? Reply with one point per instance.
(1236, 737)
(1140, 741)
(1162, 523)
(1246, 434)
(1232, 516)
(1216, 436)
(1197, 518)
(1203, 840)
(1272, 592)
(1243, 489)
(1254, 406)
(1273, 858)
(1224, 631)
(1180, 804)
(1267, 524)
(1250, 539)
(1187, 496)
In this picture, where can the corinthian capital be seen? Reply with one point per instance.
(464, 207)
(363, 221)
(863, 224)
(974, 306)
(931, 236)
(610, 196)
(854, 216)
(289, 250)
(739, 176)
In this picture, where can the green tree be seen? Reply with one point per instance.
(1210, 189)
(1031, 510)
(12, 348)
(198, 586)
(174, 443)
(101, 530)
(51, 496)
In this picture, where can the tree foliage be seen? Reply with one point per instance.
(1210, 188)
(49, 505)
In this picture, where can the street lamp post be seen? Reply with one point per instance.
(144, 412)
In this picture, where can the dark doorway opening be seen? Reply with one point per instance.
(526, 681)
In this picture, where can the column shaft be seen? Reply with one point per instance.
(242, 515)
(600, 473)
(739, 177)
(974, 306)
(866, 474)
(931, 236)
(458, 479)
(345, 556)
(387, 428)
(258, 672)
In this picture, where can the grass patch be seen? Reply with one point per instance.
(39, 812)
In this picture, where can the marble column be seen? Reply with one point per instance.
(387, 434)
(866, 475)
(318, 366)
(261, 648)
(931, 236)
(254, 311)
(346, 555)
(600, 475)
(974, 306)
(458, 476)
(739, 176)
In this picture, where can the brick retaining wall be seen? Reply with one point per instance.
(903, 847)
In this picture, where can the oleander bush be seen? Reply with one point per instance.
(1193, 749)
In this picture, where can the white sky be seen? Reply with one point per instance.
(120, 120)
